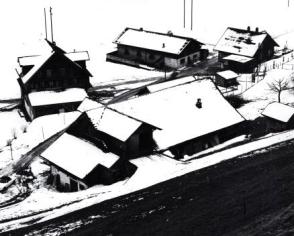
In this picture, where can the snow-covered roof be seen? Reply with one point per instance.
(78, 56)
(174, 111)
(241, 42)
(238, 58)
(89, 104)
(167, 43)
(77, 156)
(160, 86)
(279, 111)
(228, 74)
(74, 56)
(41, 60)
(38, 64)
(113, 123)
(43, 98)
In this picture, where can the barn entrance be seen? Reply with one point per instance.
(73, 185)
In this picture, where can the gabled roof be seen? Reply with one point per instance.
(89, 104)
(168, 84)
(74, 56)
(41, 61)
(279, 111)
(173, 110)
(44, 98)
(167, 43)
(227, 74)
(242, 42)
(113, 123)
(238, 58)
(76, 156)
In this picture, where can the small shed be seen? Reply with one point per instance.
(279, 117)
(77, 164)
(226, 78)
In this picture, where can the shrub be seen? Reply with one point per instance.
(236, 100)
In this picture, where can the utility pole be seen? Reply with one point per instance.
(51, 25)
(45, 23)
(184, 13)
(191, 14)
(11, 151)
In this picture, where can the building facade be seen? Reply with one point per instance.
(53, 72)
(138, 47)
(243, 50)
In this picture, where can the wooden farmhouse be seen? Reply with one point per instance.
(115, 132)
(242, 50)
(226, 79)
(54, 82)
(190, 115)
(77, 164)
(279, 117)
(138, 47)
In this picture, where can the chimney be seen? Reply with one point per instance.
(163, 45)
(256, 29)
(248, 28)
(199, 103)
(141, 28)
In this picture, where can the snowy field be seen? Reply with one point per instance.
(45, 203)
(94, 25)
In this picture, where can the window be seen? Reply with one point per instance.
(139, 54)
(182, 61)
(82, 187)
(39, 74)
(48, 73)
(73, 185)
(62, 71)
(67, 187)
(195, 57)
(57, 179)
(151, 56)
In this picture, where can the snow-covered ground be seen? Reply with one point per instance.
(36, 132)
(45, 203)
(93, 26)
(260, 94)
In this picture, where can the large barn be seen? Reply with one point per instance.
(242, 50)
(60, 77)
(190, 116)
(138, 47)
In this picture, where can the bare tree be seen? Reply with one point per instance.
(24, 128)
(278, 86)
(14, 134)
(9, 143)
